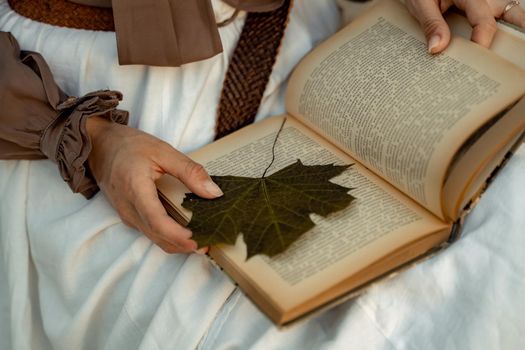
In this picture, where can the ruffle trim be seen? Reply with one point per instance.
(67, 142)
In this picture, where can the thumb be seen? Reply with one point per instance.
(432, 22)
(192, 174)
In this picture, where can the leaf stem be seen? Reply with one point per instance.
(273, 148)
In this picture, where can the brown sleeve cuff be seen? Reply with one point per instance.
(38, 120)
(67, 142)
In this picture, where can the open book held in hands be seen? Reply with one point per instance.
(425, 133)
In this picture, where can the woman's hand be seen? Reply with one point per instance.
(126, 162)
(482, 15)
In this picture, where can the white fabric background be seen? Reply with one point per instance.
(72, 276)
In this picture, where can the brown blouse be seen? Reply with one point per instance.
(37, 120)
(170, 32)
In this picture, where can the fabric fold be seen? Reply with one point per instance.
(172, 32)
(255, 5)
(165, 32)
(66, 139)
(148, 32)
(38, 120)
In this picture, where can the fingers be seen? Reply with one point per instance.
(157, 238)
(192, 174)
(155, 222)
(429, 15)
(515, 15)
(127, 174)
(482, 20)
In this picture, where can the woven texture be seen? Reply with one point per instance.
(64, 13)
(250, 68)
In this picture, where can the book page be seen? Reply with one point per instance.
(468, 174)
(380, 219)
(376, 92)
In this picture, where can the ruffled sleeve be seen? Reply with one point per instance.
(37, 120)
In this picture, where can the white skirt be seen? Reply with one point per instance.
(72, 276)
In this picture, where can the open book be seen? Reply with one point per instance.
(425, 133)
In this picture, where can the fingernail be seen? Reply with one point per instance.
(433, 43)
(212, 188)
(202, 251)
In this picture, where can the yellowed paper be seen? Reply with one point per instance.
(375, 91)
(379, 221)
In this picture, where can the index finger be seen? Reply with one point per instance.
(156, 219)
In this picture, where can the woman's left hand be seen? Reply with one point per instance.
(482, 15)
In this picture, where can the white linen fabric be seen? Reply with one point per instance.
(72, 276)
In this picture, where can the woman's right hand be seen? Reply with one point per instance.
(126, 162)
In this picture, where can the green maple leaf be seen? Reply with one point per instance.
(271, 212)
